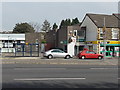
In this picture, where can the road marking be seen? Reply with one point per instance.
(42, 79)
(103, 68)
(118, 78)
(25, 68)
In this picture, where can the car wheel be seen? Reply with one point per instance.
(50, 56)
(67, 57)
(83, 57)
(99, 57)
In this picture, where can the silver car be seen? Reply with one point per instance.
(56, 53)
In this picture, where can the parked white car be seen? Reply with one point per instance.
(56, 53)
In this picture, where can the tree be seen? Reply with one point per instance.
(62, 24)
(55, 26)
(67, 22)
(36, 26)
(75, 21)
(46, 26)
(23, 28)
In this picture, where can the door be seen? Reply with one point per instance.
(91, 54)
(58, 53)
(61, 53)
(54, 53)
(88, 54)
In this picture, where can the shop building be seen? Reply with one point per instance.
(8, 41)
(71, 39)
(102, 33)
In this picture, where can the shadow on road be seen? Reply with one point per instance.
(62, 84)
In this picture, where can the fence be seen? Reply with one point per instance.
(27, 50)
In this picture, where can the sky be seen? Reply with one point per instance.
(20, 12)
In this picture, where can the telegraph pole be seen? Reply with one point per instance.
(8, 44)
(104, 42)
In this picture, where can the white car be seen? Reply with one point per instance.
(56, 53)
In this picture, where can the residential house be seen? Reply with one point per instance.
(102, 33)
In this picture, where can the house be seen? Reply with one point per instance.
(102, 33)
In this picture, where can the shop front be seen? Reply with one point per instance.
(112, 50)
(112, 47)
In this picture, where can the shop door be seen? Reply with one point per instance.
(109, 51)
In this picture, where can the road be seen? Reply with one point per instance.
(59, 76)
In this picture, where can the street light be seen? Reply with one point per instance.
(8, 43)
(104, 32)
(54, 37)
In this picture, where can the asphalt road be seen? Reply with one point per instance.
(59, 76)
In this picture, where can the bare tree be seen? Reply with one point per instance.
(36, 26)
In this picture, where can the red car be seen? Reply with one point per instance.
(89, 54)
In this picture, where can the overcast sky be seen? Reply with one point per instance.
(54, 12)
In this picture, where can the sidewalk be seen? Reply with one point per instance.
(38, 60)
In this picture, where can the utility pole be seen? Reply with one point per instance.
(104, 42)
(8, 44)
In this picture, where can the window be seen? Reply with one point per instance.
(54, 51)
(87, 51)
(90, 52)
(81, 33)
(101, 33)
(115, 33)
(57, 51)
(101, 36)
(75, 32)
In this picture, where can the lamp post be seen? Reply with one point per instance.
(14, 45)
(77, 44)
(8, 43)
(104, 42)
(54, 37)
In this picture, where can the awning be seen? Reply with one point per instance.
(110, 44)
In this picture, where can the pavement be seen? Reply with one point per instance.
(41, 60)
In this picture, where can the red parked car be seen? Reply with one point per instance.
(89, 54)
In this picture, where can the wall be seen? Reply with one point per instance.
(91, 29)
(32, 37)
(51, 39)
(62, 36)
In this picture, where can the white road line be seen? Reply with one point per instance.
(103, 68)
(41, 79)
(39, 68)
(118, 78)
